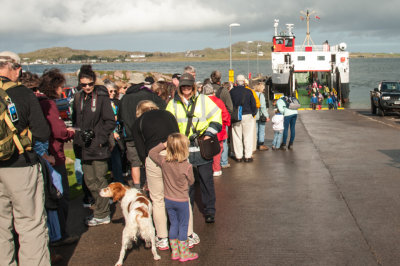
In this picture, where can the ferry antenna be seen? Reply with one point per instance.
(308, 36)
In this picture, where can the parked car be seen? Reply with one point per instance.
(386, 98)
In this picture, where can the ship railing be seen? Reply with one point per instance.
(316, 48)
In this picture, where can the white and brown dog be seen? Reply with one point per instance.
(137, 210)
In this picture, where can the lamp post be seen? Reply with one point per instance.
(231, 73)
(258, 45)
(248, 61)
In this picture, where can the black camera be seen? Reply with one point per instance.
(87, 136)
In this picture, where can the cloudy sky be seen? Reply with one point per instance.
(176, 25)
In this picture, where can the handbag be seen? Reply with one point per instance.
(263, 118)
(208, 147)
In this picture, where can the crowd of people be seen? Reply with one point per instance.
(319, 93)
(145, 132)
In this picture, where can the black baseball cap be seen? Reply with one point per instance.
(176, 76)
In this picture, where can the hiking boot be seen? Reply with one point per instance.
(98, 221)
(65, 241)
(290, 147)
(193, 239)
(283, 147)
(263, 148)
(210, 219)
(162, 243)
(174, 249)
(184, 252)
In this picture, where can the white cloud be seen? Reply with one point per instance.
(92, 17)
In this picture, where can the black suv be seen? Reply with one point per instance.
(386, 98)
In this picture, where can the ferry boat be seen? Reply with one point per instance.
(292, 65)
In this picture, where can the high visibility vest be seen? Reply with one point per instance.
(205, 112)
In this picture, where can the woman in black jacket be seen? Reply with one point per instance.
(94, 117)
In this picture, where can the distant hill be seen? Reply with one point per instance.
(59, 54)
(239, 52)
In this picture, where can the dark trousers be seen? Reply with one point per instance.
(178, 214)
(289, 121)
(94, 174)
(204, 174)
(63, 203)
(116, 165)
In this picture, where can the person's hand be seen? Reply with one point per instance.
(206, 137)
(268, 119)
(49, 158)
(116, 136)
(71, 129)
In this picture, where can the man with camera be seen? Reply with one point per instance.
(94, 117)
(21, 180)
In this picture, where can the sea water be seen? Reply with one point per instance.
(365, 73)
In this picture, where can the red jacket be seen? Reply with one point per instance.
(59, 132)
(226, 117)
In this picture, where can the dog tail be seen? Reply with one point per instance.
(141, 213)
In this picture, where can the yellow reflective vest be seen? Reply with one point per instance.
(206, 111)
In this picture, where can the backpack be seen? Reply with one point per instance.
(9, 138)
(291, 102)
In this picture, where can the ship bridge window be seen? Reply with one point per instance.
(289, 43)
(321, 58)
(301, 58)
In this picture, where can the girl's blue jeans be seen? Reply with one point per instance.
(276, 142)
(178, 214)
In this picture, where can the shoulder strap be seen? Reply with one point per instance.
(8, 84)
(189, 114)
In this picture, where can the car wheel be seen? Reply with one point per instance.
(373, 107)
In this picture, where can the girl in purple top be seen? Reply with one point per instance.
(178, 176)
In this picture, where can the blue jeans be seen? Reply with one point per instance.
(78, 171)
(289, 121)
(224, 154)
(178, 214)
(276, 142)
(260, 132)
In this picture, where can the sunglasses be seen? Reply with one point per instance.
(90, 84)
(16, 66)
(112, 91)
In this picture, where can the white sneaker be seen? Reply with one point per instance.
(162, 243)
(193, 239)
(218, 173)
(98, 221)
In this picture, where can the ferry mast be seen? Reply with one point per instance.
(308, 36)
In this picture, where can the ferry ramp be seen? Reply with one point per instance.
(333, 200)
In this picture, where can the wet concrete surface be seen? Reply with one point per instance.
(333, 200)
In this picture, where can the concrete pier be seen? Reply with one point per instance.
(333, 200)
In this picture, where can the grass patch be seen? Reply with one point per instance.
(75, 189)
(305, 100)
